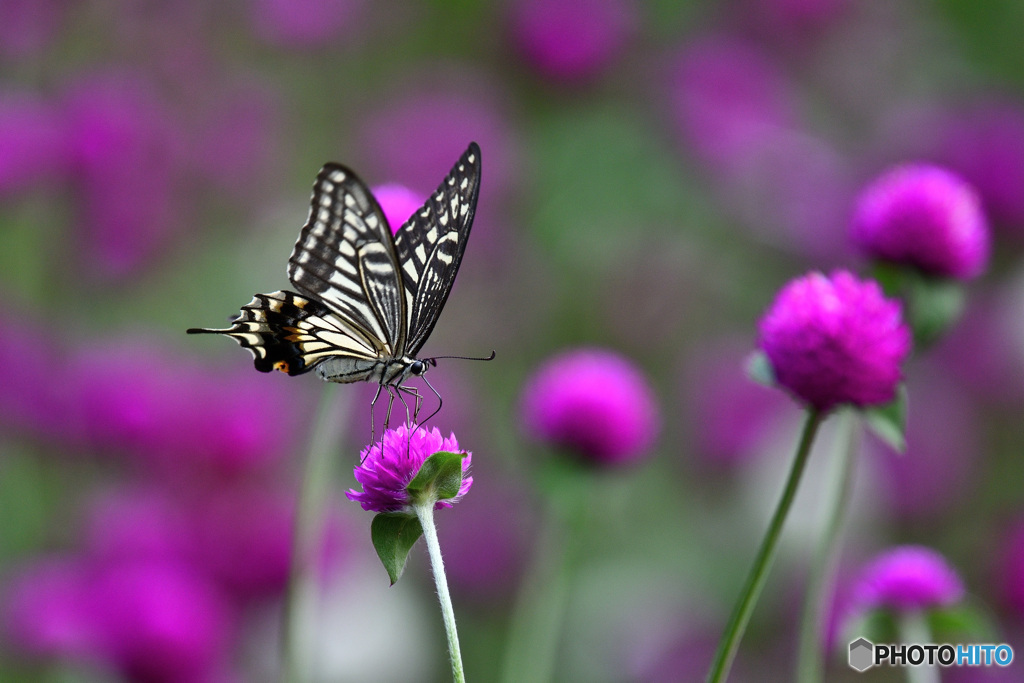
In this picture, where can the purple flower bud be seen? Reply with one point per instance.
(834, 340)
(388, 466)
(593, 402)
(569, 40)
(908, 578)
(398, 203)
(923, 216)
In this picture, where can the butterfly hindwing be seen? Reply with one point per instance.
(431, 243)
(288, 332)
(345, 257)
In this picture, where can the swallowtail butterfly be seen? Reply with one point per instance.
(367, 300)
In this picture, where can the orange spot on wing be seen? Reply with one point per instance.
(281, 365)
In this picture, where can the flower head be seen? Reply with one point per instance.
(389, 465)
(834, 340)
(398, 203)
(926, 217)
(567, 40)
(908, 578)
(595, 403)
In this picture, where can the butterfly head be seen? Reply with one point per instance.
(420, 367)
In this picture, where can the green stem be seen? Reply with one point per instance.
(913, 627)
(300, 599)
(730, 642)
(539, 612)
(425, 513)
(811, 653)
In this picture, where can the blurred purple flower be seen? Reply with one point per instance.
(984, 353)
(244, 539)
(138, 397)
(313, 24)
(46, 610)
(31, 400)
(138, 523)
(161, 622)
(834, 340)
(486, 546)
(389, 465)
(32, 137)
(125, 152)
(27, 27)
(236, 138)
(1010, 571)
(924, 216)
(729, 100)
(908, 578)
(398, 203)
(985, 144)
(593, 402)
(793, 19)
(729, 413)
(571, 40)
(940, 464)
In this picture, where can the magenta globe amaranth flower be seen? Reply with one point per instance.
(834, 340)
(923, 216)
(568, 40)
(388, 466)
(398, 203)
(908, 578)
(595, 403)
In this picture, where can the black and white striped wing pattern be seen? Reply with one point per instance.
(431, 243)
(345, 257)
(288, 332)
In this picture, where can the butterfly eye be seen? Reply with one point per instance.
(419, 368)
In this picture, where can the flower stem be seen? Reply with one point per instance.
(425, 513)
(730, 642)
(811, 653)
(913, 628)
(300, 599)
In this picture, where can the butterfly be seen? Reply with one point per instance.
(366, 301)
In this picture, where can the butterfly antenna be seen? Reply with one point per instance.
(433, 361)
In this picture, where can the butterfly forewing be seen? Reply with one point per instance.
(431, 243)
(345, 257)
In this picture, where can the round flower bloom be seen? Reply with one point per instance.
(398, 203)
(924, 216)
(388, 466)
(594, 402)
(569, 40)
(908, 578)
(837, 339)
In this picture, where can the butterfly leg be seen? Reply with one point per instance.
(373, 403)
(440, 401)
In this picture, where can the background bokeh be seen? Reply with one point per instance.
(652, 174)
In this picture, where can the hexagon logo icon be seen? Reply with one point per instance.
(862, 654)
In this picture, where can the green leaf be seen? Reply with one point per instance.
(934, 305)
(393, 535)
(439, 478)
(961, 622)
(759, 369)
(889, 422)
